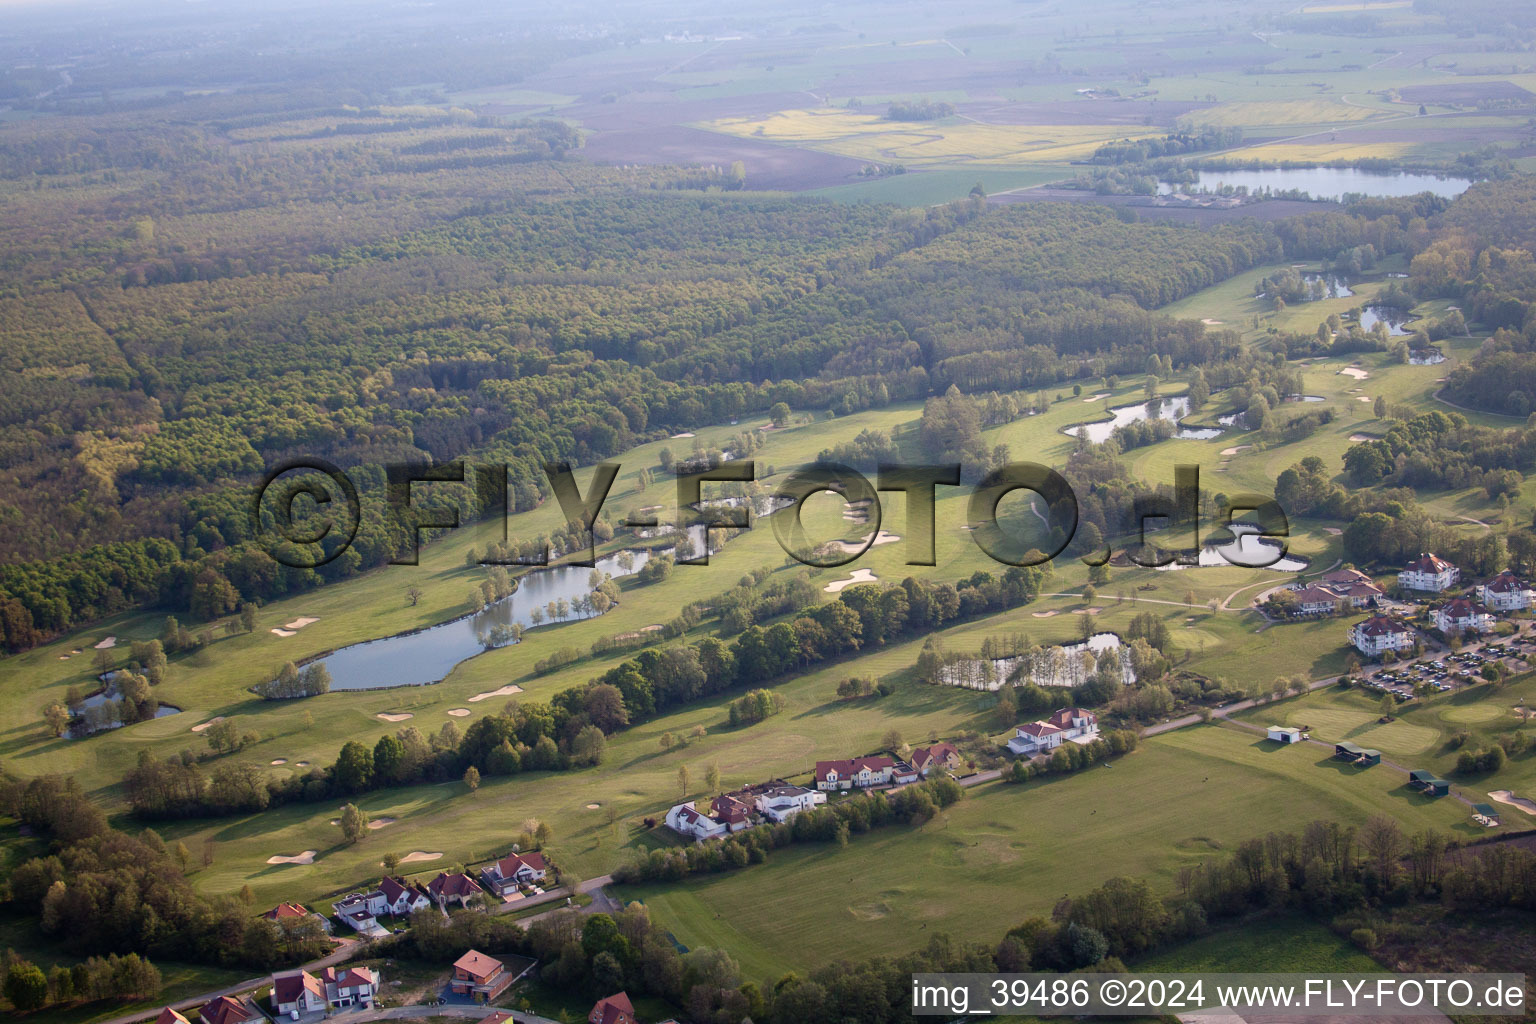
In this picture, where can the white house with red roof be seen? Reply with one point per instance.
(227, 1010)
(1459, 615)
(297, 992)
(360, 910)
(171, 1016)
(402, 897)
(513, 871)
(1428, 572)
(350, 986)
(286, 912)
(726, 815)
(1033, 738)
(1506, 592)
(856, 773)
(1381, 633)
(1077, 724)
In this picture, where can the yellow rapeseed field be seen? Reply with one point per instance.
(872, 137)
(1281, 112)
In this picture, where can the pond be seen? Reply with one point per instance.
(1244, 551)
(428, 655)
(1398, 321)
(1334, 286)
(1327, 182)
(98, 713)
(1165, 409)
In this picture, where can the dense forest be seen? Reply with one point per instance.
(192, 298)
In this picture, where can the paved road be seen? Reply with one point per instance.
(418, 1012)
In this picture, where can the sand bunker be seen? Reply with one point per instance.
(1044, 615)
(282, 632)
(307, 857)
(1363, 398)
(1235, 449)
(301, 622)
(1209, 322)
(459, 712)
(505, 691)
(63, 657)
(381, 822)
(110, 641)
(1332, 531)
(687, 433)
(301, 764)
(654, 627)
(593, 807)
(1355, 372)
(1357, 438)
(1089, 611)
(278, 760)
(859, 576)
(399, 716)
(864, 542)
(416, 856)
(1098, 397)
(1504, 796)
(212, 721)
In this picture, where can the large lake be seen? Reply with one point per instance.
(427, 656)
(1328, 182)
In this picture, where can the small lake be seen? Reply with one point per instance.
(1328, 182)
(1334, 286)
(1398, 321)
(1245, 551)
(1173, 409)
(95, 713)
(428, 655)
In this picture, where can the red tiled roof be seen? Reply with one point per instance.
(1346, 576)
(349, 977)
(225, 1010)
(287, 988)
(170, 1016)
(1381, 625)
(937, 752)
(853, 766)
(1429, 562)
(496, 1017)
(478, 965)
(616, 1009)
(283, 910)
(1037, 729)
(1461, 608)
(1505, 582)
(1062, 717)
(456, 884)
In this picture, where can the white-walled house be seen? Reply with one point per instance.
(360, 910)
(1506, 592)
(402, 897)
(514, 870)
(1077, 724)
(784, 802)
(1460, 615)
(1284, 734)
(857, 773)
(1033, 738)
(350, 986)
(1428, 572)
(1381, 633)
(687, 820)
(297, 992)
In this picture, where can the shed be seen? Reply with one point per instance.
(1284, 734)
(1359, 755)
(1485, 811)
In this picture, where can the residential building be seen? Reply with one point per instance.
(941, 757)
(228, 1010)
(903, 773)
(350, 986)
(733, 811)
(402, 897)
(784, 802)
(1033, 738)
(497, 1017)
(360, 911)
(1460, 615)
(480, 977)
(1324, 595)
(616, 1009)
(857, 773)
(286, 911)
(511, 872)
(1381, 633)
(1428, 572)
(1506, 592)
(170, 1016)
(687, 820)
(1076, 724)
(456, 887)
(297, 992)
(1316, 599)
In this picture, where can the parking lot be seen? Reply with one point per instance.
(1445, 671)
